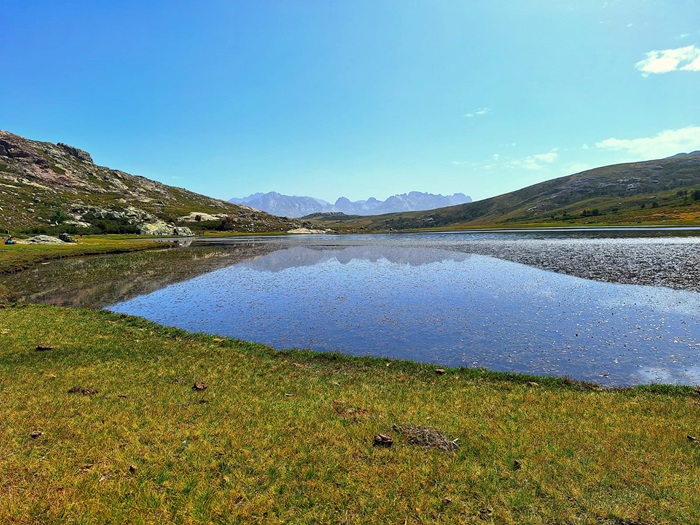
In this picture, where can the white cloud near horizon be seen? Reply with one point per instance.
(679, 59)
(536, 162)
(664, 144)
(477, 113)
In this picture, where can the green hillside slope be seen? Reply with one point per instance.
(658, 191)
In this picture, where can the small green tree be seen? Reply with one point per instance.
(58, 217)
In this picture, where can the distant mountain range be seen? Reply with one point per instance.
(290, 206)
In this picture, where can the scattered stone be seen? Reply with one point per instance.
(439, 371)
(199, 386)
(34, 434)
(517, 465)
(692, 439)
(81, 390)
(427, 437)
(349, 412)
(41, 347)
(132, 469)
(447, 501)
(532, 383)
(383, 440)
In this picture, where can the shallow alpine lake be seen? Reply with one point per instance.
(460, 299)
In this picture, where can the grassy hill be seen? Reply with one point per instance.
(48, 188)
(665, 191)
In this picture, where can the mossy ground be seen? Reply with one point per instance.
(286, 437)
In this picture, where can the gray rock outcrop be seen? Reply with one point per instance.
(162, 228)
(44, 239)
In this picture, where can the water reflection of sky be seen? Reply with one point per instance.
(442, 307)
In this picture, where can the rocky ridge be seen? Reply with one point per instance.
(50, 185)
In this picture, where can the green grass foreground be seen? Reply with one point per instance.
(287, 437)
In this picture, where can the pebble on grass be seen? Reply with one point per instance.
(383, 440)
(199, 386)
(41, 347)
(81, 390)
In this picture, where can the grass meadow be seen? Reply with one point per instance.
(104, 426)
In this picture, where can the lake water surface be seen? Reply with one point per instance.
(436, 298)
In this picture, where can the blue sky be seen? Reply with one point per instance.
(354, 98)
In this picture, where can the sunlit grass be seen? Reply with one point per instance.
(18, 257)
(287, 437)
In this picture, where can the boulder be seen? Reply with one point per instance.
(66, 238)
(197, 216)
(162, 228)
(155, 228)
(183, 231)
(44, 239)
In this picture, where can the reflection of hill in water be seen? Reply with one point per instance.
(299, 256)
(97, 281)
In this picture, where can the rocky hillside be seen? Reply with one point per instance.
(652, 192)
(50, 187)
(290, 206)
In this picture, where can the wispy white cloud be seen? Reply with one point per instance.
(477, 113)
(663, 144)
(536, 162)
(680, 59)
